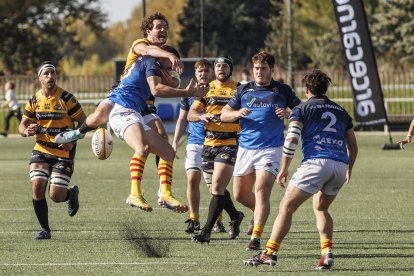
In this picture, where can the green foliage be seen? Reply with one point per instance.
(236, 28)
(37, 30)
(394, 31)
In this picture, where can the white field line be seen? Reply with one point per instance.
(98, 264)
(86, 209)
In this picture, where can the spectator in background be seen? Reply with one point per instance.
(13, 105)
(245, 76)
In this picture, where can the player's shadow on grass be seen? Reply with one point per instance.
(151, 247)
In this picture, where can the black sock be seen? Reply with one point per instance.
(84, 128)
(157, 160)
(229, 206)
(68, 191)
(214, 210)
(40, 207)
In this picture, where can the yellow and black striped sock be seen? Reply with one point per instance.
(326, 245)
(165, 172)
(257, 231)
(220, 217)
(272, 246)
(195, 216)
(136, 167)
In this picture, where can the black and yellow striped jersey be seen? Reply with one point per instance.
(218, 133)
(53, 114)
(132, 57)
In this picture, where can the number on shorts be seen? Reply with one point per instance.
(332, 117)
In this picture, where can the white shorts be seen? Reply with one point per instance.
(149, 117)
(323, 175)
(193, 157)
(249, 160)
(121, 118)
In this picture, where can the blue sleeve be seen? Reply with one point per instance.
(296, 114)
(184, 104)
(292, 99)
(152, 66)
(235, 102)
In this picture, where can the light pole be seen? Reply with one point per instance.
(201, 28)
(290, 44)
(143, 10)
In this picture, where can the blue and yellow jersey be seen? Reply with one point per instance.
(131, 58)
(133, 91)
(218, 133)
(262, 128)
(53, 115)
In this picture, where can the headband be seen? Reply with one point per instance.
(44, 67)
(225, 59)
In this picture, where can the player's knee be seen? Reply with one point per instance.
(57, 196)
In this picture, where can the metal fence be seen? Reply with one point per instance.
(398, 89)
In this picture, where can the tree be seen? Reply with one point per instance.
(231, 27)
(393, 33)
(37, 30)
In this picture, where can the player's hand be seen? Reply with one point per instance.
(243, 112)
(174, 146)
(348, 176)
(196, 90)
(282, 113)
(67, 147)
(281, 178)
(30, 130)
(407, 140)
(207, 117)
(177, 65)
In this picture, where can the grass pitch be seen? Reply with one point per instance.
(373, 215)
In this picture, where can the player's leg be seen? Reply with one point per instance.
(162, 148)
(193, 162)
(128, 125)
(263, 189)
(93, 121)
(7, 119)
(60, 177)
(336, 171)
(39, 176)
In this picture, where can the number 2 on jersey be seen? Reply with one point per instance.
(332, 118)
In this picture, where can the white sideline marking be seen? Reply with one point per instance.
(88, 264)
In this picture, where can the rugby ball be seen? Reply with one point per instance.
(102, 143)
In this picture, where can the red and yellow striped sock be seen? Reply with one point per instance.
(165, 172)
(136, 167)
(257, 231)
(272, 246)
(195, 216)
(326, 245)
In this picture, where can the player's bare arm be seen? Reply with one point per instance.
(158, 89)
(157, 52)
(282, 113)
(229, 115)
(352, 150)
(27, 127)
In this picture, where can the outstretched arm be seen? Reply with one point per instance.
(155, 51)
(179, 129)
(229, 115)
(352, 150)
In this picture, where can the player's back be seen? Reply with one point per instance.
(325, 124)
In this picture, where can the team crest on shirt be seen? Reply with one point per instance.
(275, 89)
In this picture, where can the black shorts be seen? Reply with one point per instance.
(149, 109)
(57, 164)
(223, 154)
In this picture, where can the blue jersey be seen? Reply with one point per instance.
(324, 126)
(262, 128)
(133, 91)
(195, 129)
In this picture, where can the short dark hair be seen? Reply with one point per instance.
(11, 84)
(263, 57)
(148, 22)
(317, 82)
(246, 71)
(171, 49)
(203, 62)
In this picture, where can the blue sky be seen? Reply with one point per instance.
(119, 10)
